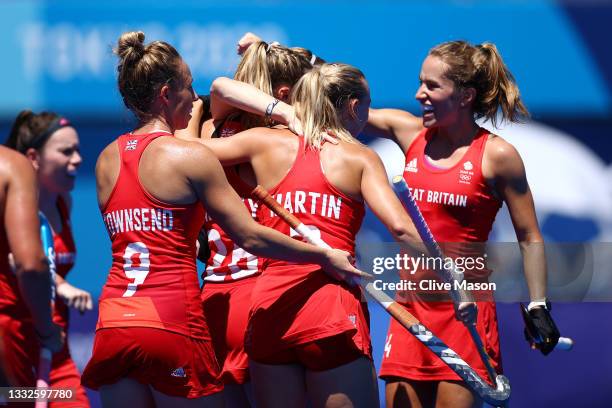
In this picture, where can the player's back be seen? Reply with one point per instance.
(153, 279)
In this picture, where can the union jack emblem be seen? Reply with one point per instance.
(131, 144)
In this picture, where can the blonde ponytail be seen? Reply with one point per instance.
(253, 68)
(267, 66)
(320, 96)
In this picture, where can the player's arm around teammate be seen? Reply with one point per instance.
(350, 167)
(175, 175)
(376, 190)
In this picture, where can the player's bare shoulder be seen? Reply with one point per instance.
(12, 165)
(500, 157)
(15, 171)
(361, 154)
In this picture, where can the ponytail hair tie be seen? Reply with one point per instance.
(273, 43)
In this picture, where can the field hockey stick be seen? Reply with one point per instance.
(46, 236)
(44, 370)
(44, 363)
(493, 396)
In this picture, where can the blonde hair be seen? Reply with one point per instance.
(312, 58)
(267, 66)
(143, 70)
(320, 96)
(481, 67)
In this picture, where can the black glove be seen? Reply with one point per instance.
(540, 329)
(204, 251)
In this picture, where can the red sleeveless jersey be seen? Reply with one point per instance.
(306, 193)
(294, 303)
(65, 253)
(227, 261)
(456, 202)
(153, 279)
(459, 208)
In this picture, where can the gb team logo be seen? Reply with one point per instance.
(466, 173)
(131, 144)
(412, 166)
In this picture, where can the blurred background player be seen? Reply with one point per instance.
(52, 145)
(25, 285)
(460, 83)
(152, 345)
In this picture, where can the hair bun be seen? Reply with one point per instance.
(130, 46)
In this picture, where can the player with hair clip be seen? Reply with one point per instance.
(249, 38)
(25, 284)
(51, 144)
(152, 344)
(446, 151)
(307, 331)
(231, 271)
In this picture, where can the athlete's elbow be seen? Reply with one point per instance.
(527, 237)
(219, 85)
(401, 232)
(31, 267)
(408, 236)
(249, 240)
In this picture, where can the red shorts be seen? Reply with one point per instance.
(314, 309)
(171, 363)
(226, 307)
(21, 351)
(319, 355)
(406, 357)
(64, 374)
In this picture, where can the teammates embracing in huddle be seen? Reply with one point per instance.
(279, 322)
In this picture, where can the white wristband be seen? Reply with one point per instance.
(270, 108)
(537, 303)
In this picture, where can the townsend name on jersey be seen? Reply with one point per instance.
(438, 197)
(309, 202)
(138, 219)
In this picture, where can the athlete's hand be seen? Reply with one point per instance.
(546, 333)
(197, 108)
(466, 312)
(74, 297)
(52, 338)
(245, 42)
(331, 137)
(339, 265)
